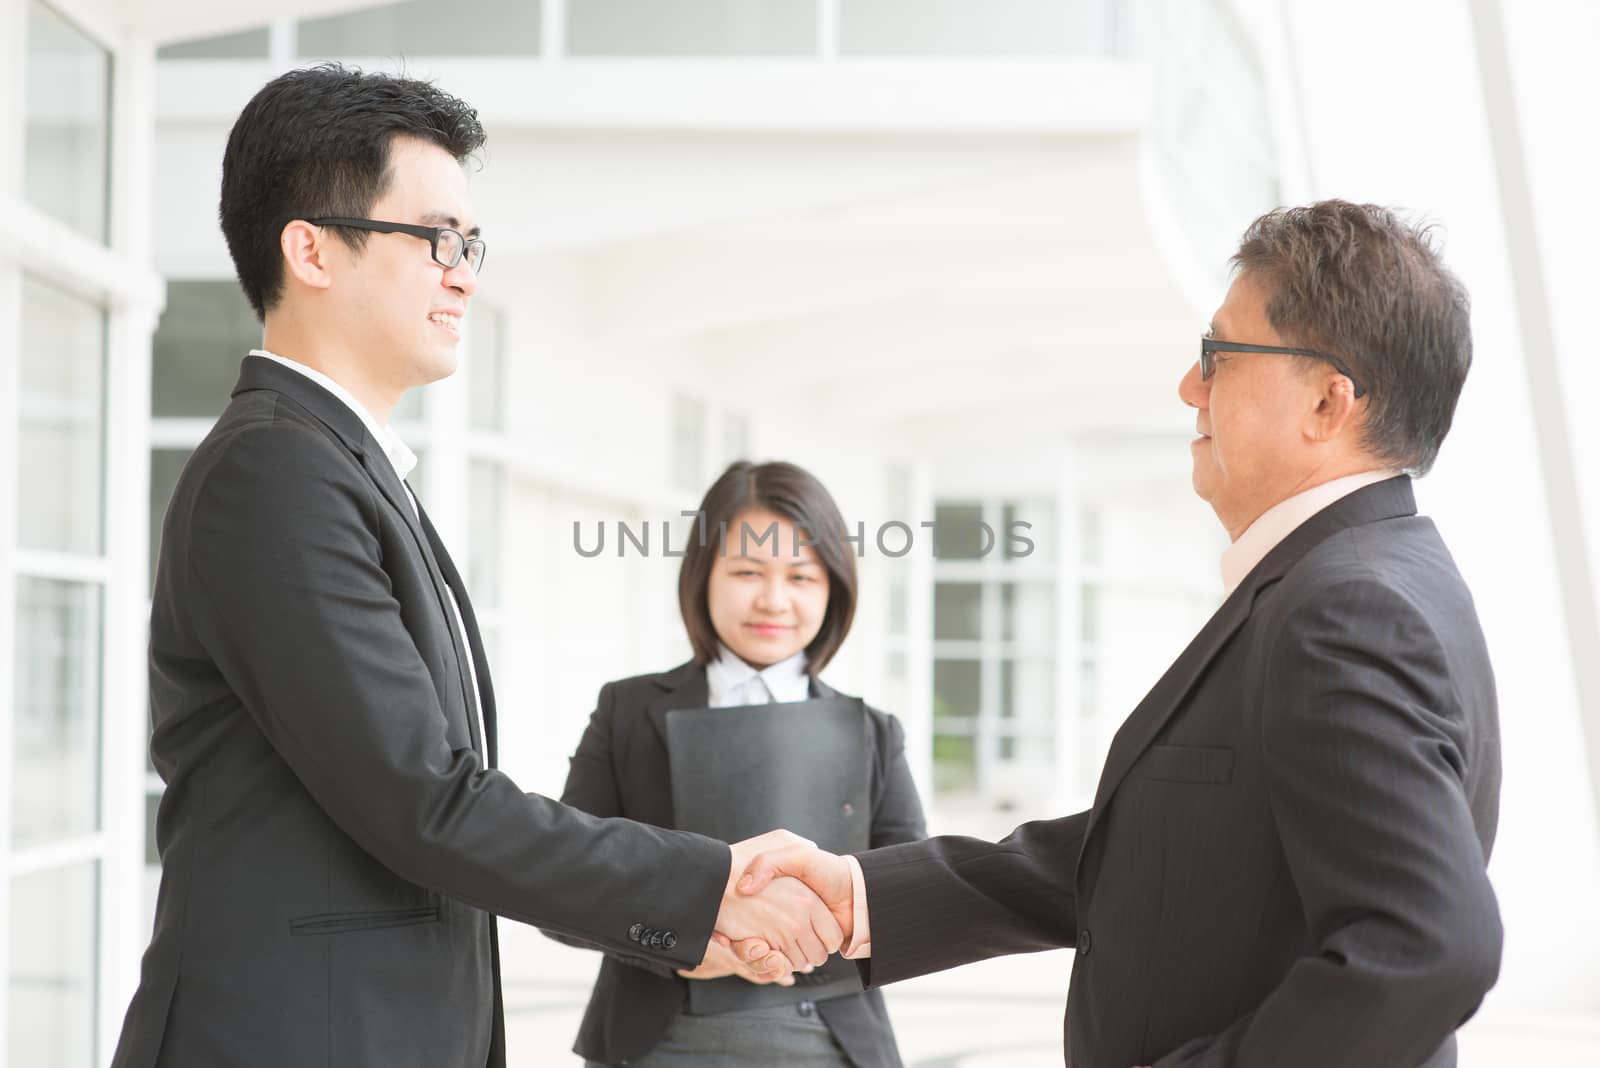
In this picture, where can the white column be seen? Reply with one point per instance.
(123, 932)
(13, 62)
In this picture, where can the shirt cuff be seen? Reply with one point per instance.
(860, 944)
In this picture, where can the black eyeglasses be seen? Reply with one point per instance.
(1208, 363)
(449, 246)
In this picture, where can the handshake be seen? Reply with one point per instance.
(786, 907)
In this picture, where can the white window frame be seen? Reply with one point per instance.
(117, 278)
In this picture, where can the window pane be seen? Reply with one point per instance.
(165, 467)
(56, 727)
(485, 493)
(975, 27)
(958, 611)
(1028, 614)
(692, 27)
(1028, 709)
(249, 44)
(473, 28)
(68, 106)
(51, 992)
(1027, 531)
(486, 367)
(62, 425)
(959, 532)
(204, 334)
(955, 689)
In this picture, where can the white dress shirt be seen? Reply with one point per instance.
(732, 682)
(1277, 522)
(404, 461)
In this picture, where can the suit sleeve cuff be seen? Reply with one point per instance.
(860, 944)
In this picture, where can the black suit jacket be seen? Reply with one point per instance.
(333, 841)
(1284, 864)
(621, 769)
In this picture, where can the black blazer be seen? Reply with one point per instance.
(333, 841)
(621, 769)
(1284, 864)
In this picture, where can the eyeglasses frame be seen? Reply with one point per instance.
(431, 234)
(1210, 345)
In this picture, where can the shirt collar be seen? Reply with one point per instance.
(400, 456)
(786, 680)
(1277, 522)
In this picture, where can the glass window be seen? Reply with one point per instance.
(958, 611)
(975, 27)
(62, 425)
(485, 490)
(51, 983)
(415, 28)
(165, 467)
(486, 367)
(55, 756)
(956, 696)
(1027, 531)
(248, 44)
(691, 27)
(956, 691)
(204, 333)
(67, 144)
(959, 531)
(1028, 614)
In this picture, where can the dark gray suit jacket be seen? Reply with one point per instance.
(333, 841)
(621, 768)
(1284, 864)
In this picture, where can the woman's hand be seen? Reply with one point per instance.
(720, 962)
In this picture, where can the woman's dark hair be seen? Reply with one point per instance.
(1358, 281)
(795, 494)
(315, 142)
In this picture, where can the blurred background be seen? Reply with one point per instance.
(952, 255)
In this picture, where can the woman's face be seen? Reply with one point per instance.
(768, 591)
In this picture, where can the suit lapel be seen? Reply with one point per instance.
(256, 373)
(682, 687)
(1382, 500)
(469, 619)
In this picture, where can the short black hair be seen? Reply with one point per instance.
(1362, 283)
(315, 142)
(798, 496)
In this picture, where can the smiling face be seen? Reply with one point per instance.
(1260, 418)
(396, 313)
(766, 602)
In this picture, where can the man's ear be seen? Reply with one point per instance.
(305, 253)
(1337, 410)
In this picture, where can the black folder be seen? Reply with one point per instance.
(738, 772)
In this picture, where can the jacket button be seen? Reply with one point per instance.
(1085, 942)
(635, 932)
(669, 940)
(806, 1008)
(656, 939)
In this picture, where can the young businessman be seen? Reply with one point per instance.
(335, 841)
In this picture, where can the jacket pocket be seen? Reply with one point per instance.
(1186, 763)
(327, 923)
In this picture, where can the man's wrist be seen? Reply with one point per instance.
(858, 943)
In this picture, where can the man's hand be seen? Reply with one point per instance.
(827, 876)
(783, 914)
(720, 962)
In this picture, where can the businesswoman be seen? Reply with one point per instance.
(763, 620)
